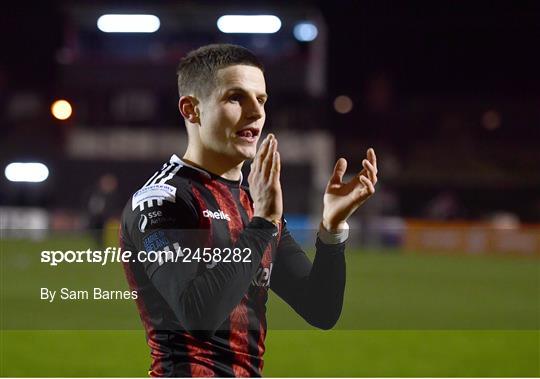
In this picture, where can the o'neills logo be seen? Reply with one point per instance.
(218, 215)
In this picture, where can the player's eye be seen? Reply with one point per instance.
(235, 98)
(261, 100)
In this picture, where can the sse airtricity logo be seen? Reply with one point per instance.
(217, 215)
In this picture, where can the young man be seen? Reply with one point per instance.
(204, 311)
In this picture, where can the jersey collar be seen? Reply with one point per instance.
(176, 159)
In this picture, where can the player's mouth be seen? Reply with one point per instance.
(249, 135)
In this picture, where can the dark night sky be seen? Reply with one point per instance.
(442, 47)
(439, 46)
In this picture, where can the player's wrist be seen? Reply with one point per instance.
(273, 219)
(335, 235)
(333, 227)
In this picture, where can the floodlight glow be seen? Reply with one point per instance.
(61, 109)
(305, 32)
(128, 23)
(26, 172)
(249, 24)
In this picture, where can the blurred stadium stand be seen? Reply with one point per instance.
(449, 97)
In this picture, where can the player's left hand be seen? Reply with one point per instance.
(341, 199)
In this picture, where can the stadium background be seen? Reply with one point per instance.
(443, 269)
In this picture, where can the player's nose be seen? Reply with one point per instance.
(254, 110)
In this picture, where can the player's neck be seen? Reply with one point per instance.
(214, 163)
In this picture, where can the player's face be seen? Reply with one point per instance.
(232, 117)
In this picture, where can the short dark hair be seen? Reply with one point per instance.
(196, 73)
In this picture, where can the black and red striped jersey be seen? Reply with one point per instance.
(203, 283)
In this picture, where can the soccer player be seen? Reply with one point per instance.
(204, 310)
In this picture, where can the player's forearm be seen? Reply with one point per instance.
(211, 296)
(325, 286)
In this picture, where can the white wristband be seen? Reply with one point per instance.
(332, 238)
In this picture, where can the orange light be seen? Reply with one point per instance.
(61, 109)
(343, 104)
(491, 119)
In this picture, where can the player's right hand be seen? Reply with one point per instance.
(264, 184)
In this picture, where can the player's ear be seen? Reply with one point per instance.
(188, 106)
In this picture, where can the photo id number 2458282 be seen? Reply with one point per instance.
(216, 255)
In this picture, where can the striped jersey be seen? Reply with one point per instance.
(203, 268)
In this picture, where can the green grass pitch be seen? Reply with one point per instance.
(404, 315)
